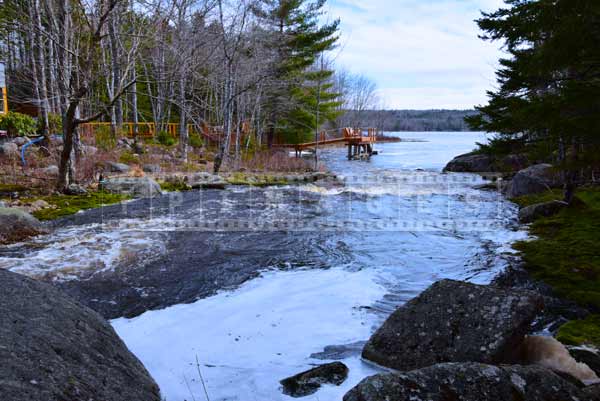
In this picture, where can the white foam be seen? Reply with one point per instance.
(81, 252)
(254, 337)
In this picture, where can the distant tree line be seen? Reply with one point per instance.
(411, 120)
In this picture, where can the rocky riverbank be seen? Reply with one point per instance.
(468, 342)
(471, 342)
(444, 331)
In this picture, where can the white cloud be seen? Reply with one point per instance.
(423, 54)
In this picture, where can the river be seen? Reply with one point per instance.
(242, 288)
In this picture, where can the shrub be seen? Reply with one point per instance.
(54, 124)
(105, 140)
(164, 138)
(196, 141)
(128, 158)
(17, 124)
(191, 167)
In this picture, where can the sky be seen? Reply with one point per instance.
(423, 54)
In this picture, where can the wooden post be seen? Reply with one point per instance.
(4, 100)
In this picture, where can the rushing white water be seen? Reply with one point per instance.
(81, 252)
(347, 257)
(246, 340)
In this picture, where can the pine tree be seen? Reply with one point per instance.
(298, 93)
(548, 100)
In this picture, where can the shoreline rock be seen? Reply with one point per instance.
(309, 382)
(17, 225)
(474, 162)
(532, 180)
(114, 167)
(556, 311)
(470, 163)
(587, 355)
(52, 348)
(138, 187)
(454, 321)
(532, 213)
(469, 382)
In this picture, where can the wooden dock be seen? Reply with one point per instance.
(359, 141)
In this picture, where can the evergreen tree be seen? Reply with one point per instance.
(298, 93)
(548, 100)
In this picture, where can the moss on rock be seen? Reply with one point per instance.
(65, 205)
(566, 251)
(256, 180)
(581, 332)
(174, 186)
(565, 254)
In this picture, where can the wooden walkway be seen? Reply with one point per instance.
(359, 142)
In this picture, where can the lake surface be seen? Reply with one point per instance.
(243, 288)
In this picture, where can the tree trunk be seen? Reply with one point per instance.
(53, 83)
(43, 89)
(117, 110)
(134, 104)
(183, 132)
(33, 62)
(65, 169)
(572, 173)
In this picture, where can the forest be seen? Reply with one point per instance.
(251, 72)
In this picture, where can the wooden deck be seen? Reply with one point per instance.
(359, 142)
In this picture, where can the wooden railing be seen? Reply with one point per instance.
(215, 134)
(371, 133)
(144, 130)
(344, 135)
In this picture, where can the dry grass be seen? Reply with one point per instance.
(276, 162)
(91, 165)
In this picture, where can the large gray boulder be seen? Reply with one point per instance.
(9, 149)
(470, 163)
(482, 163)
(531, 213)
(206, 181)
(514, 162)
(20, 140)
(114, 167)
(17, 225)
(89, 150)
(152, 168)
(138, 187)
(469, 382)
(53, 349)
(454, 321)
(74, 189)
(51, 170)
(534, 179)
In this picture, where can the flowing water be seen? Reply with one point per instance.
(242, 288)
